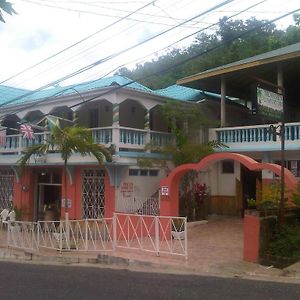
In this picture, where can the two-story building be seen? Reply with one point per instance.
(268, 87)
(122, 115)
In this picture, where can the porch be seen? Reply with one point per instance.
(256, 137)
(124, 139)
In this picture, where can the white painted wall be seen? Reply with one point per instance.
(223, 184)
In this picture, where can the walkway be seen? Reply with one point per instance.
(215, 247)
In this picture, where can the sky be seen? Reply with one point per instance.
(99, 34)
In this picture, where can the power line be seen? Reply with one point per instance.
(176, 65)
(98, 62)
(77, 43)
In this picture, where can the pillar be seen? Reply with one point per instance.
(223, 97)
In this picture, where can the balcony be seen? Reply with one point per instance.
(125, 139)
(256, 137)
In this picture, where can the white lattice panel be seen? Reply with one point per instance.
(93, 193)
(6, 188)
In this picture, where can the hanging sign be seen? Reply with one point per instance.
(269, 104)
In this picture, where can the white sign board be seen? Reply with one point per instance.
(63, 203)
(165, 191)
(269, 104)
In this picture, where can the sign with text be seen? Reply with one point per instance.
(68, 202)
(269, 104)
(165, 191)
(127, 190)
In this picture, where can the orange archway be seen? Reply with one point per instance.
(169, 185)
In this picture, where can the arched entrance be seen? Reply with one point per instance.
(169, 185)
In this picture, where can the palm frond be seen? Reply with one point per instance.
(34, 149)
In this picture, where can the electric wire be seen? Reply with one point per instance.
(175, 65)
(100, 61)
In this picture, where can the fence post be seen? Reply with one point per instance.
(8, 233)
(60, 235)
(114, 223)
(185, 239)
(156, 222)
(38, 235)
(86, 234)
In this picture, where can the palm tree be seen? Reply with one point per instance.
(7, 7)
(67, 140)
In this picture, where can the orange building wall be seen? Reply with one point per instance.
(23, 195)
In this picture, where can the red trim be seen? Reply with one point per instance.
(172, 181)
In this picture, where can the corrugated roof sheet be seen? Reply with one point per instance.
(181, 93)
(21, 95)
(184, 93)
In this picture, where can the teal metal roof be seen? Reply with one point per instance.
(181, 93)
(8, 93)
(184, 93)
(22, 95)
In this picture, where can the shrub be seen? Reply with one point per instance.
(286, 242)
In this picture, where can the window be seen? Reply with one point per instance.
(227, 167)
(133, 172)
(153, 172)
(143, 172)
(292, 165)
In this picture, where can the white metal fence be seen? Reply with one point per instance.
(157, 234)
(23, 235)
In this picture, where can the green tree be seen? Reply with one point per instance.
(6, 7)
(187, 122)
(66, 141)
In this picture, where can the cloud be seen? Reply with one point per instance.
(32, 41)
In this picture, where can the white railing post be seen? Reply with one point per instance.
(114, 223)
(38, 235)
(86, 234)
(185, 239)
(8, 233)
(20, 144)
(60, 236)
(156, 222)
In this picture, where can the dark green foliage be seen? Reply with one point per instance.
(286, 242)
(263, 39)
(280, 246)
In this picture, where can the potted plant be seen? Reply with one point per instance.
(178, 228)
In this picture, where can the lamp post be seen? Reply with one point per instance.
(279, 130)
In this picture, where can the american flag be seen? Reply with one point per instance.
(27, 131)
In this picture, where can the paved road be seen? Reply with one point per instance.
(29, 281)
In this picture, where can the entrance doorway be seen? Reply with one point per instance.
(249, 181)
(48, 196)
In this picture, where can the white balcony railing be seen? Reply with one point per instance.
(126, 137)
(254, 134)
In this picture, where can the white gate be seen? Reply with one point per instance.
(158, 234)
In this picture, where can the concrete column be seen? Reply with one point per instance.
(116, 127)
(279, 76)
(147, 127)
(223, 96)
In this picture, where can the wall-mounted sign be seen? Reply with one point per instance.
(127, 190)
(63, 203)
(164, 191)
(269, 104)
